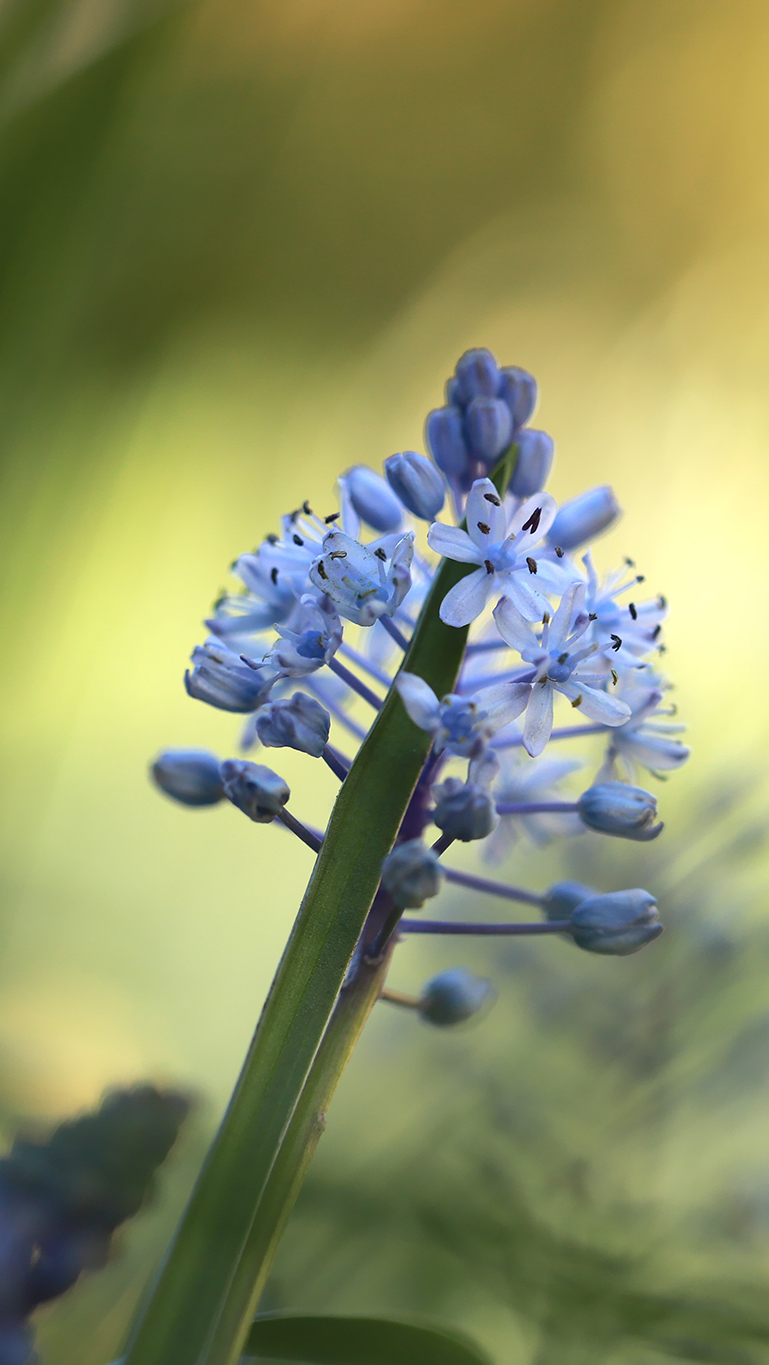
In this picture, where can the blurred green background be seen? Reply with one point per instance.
(241, 247)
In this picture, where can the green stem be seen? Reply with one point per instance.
(297, 1150)
(184, 1308)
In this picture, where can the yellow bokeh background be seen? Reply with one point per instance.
(243, 246)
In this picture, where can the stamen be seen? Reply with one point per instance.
(640, 578)
(274, 575)
(271, 538)
(321, 571)
(380, 553)
(338, 554)
(546, 619)
(656, 631)
(297, 539)
(493, 499)
(632, 609)
(489, 567)
(593, 616)
(563, 657)
(484, 528)
(617, 642)
(306, 508)
(533, 522)
(559, 551)
(577, 701)
(662, 602)
(332, 516)
(630, 562)
(614, 676)
(532, 563)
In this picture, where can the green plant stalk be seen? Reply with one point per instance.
(292, 1163)
(187, 1299)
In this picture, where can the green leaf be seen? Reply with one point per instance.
(356, 1341)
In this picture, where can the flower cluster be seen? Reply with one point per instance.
(62, 1199)
(327, 606)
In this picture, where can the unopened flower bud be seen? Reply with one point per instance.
(518, 389)
(299, 723)
(564, 897)
(412, 874)
(617, 808)
(584, 518)
(223, 680)
(477, 375)
(254, 789)
(533, 462)
(190, 776)
(453, 996)
(619, 923)
(489, 428)
(445, 440)
(417, 483)
(372, 499)
(463, 810)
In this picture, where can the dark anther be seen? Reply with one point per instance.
(272, 539)
(533, 522)
(484, 528)
(630, 562)
(297, 539)
(292, 516)
(559, 551)
(380, 553)
(321, 571)
(274, 575)
(662, 649)
(338, 554)
(493, 499)
(632, 610)
(614, 677)
(306, 508)
(662, 602)
(489, 567)
(546, 619)
(640, 578)
(563, 657)
(532, 563)
(332, 516)
(593, 616)
(617, 643)
(656, 631)
(577, 700)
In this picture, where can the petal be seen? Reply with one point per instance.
(518, 587)
(419, 700)
(546, 505)
(514, 629)
(502, 702)
(467, 598)
(485, 516)
(453, 543)
(598, 706)
(484, 770)
(653, 751)
(560, 626)
(539, 719)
